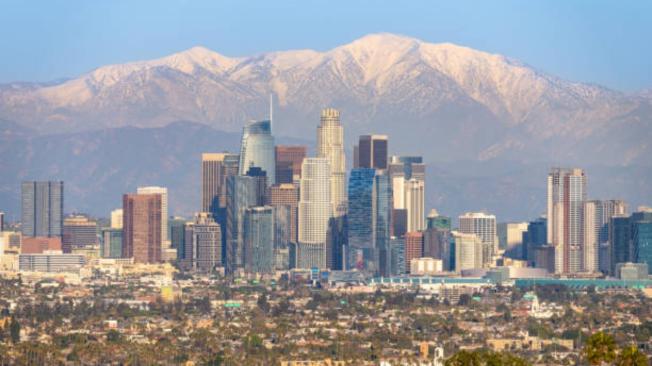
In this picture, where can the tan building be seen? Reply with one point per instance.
(286, 195)
(215, 168)
(330, 145)
(413, 247)
(142, 227)
(39, 244)
(288, 163)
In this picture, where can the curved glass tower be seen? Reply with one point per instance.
(257, 149)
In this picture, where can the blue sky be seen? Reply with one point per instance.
(604, 42)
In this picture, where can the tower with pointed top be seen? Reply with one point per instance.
(330, 145)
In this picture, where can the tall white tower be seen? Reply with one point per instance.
(484, 227)
(315, 210)
(330, 145)
(415, 204)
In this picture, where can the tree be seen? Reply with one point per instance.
(14, 329)
(464, 358)
(600, 348)
(631, 356)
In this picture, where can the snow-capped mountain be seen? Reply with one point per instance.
(451, 100)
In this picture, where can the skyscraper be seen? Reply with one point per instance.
(2, 221)
(372, 151)
(330, 145)
(288, 163)
(257, 149)
(436, 244)
(286, 195)
(111, 243)
(535, 237)
(203, 243)
(42, 208)
(361, 218)
(642, 238)
(241, 194)
(510, 238)
(413, 247)
(566, 196)
(435, 220)
(142, 221)
(215, 168)
(468, 251)
(484, 227)
(382, 210)
(314, 212)
(259, 239)
(415, 204)
(165, 240)
(116, 219)
(591, 236)
(78, 232)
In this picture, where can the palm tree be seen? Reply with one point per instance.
(600, 348)
(631, 356)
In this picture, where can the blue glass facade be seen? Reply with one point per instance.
(241, 192)
(259, 239)
(382, 214)
(642, 238)
(360, 219)
(257, 149)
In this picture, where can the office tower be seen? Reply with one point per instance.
(202, 243)
(142, 222)
(2, 221)
(260, 178)
(566, 196)
(241, 194)
(165, 240)
(437, 221)
(607, 210)
(468, 251)
(399, 222)
(397, 256)
(288, 163)
(361, 219)
(257, 149)
(413, 247)
(620, 241)
(484, 226)
(111, 243)
(510, 238)
(397, 176)
(286, 195)
(116, 219)
(78, 232)
(42, 208)
(336, 242)
(591, 236)
(215, 168)
(410, 166)
(415, 204)
(330, 145)
(259, 239)
(282, 236)
(534, 237)
(314, 213)
(372, 151)
(642, 238)
(544, 257)
(382, 210)
(177, 236)
(437, 244)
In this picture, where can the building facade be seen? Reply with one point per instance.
(288, 163)
(42, 208)
(330, 145)
(142, 221)
(484, 227)
(315, 211)
(257, 149)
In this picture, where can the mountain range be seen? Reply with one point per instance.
(474, 116)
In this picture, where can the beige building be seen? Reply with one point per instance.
(330, 145)
(315, 211)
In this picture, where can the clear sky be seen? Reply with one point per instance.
(604, 42)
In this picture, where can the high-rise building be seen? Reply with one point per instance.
(259, 239)
(241, 194)
(116, 219)
(591, 236)
(215, 168)
(315, 211)
(282, 236)
(620, 241)
(437, 221)
(468, 251)
(78, 232)
(288, 163)
(361, 219)
(111, 243)
(415, 204)
(410, 166)
(413, 247)
(336, 242)
(142, 222)
(286, 195)
(630, 239)
(260, 178)
(257, 149)
(566, 196)
(484, 227)
(534, 237)
(397, 256)
(330, 145)
(382, 221)
(2, 221)
(372, 151)
(42, 208)
(203, 243)
(165, 240)
(642, 238)
(510, 238)
(437, 244)
(177, 236)
(607, 209)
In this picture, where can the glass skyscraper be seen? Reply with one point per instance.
(257, 149)
(241, 194)
(259, 239)
(42, 208)
(382, 222)
(361, 220)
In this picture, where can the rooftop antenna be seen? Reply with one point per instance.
(271, 110)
